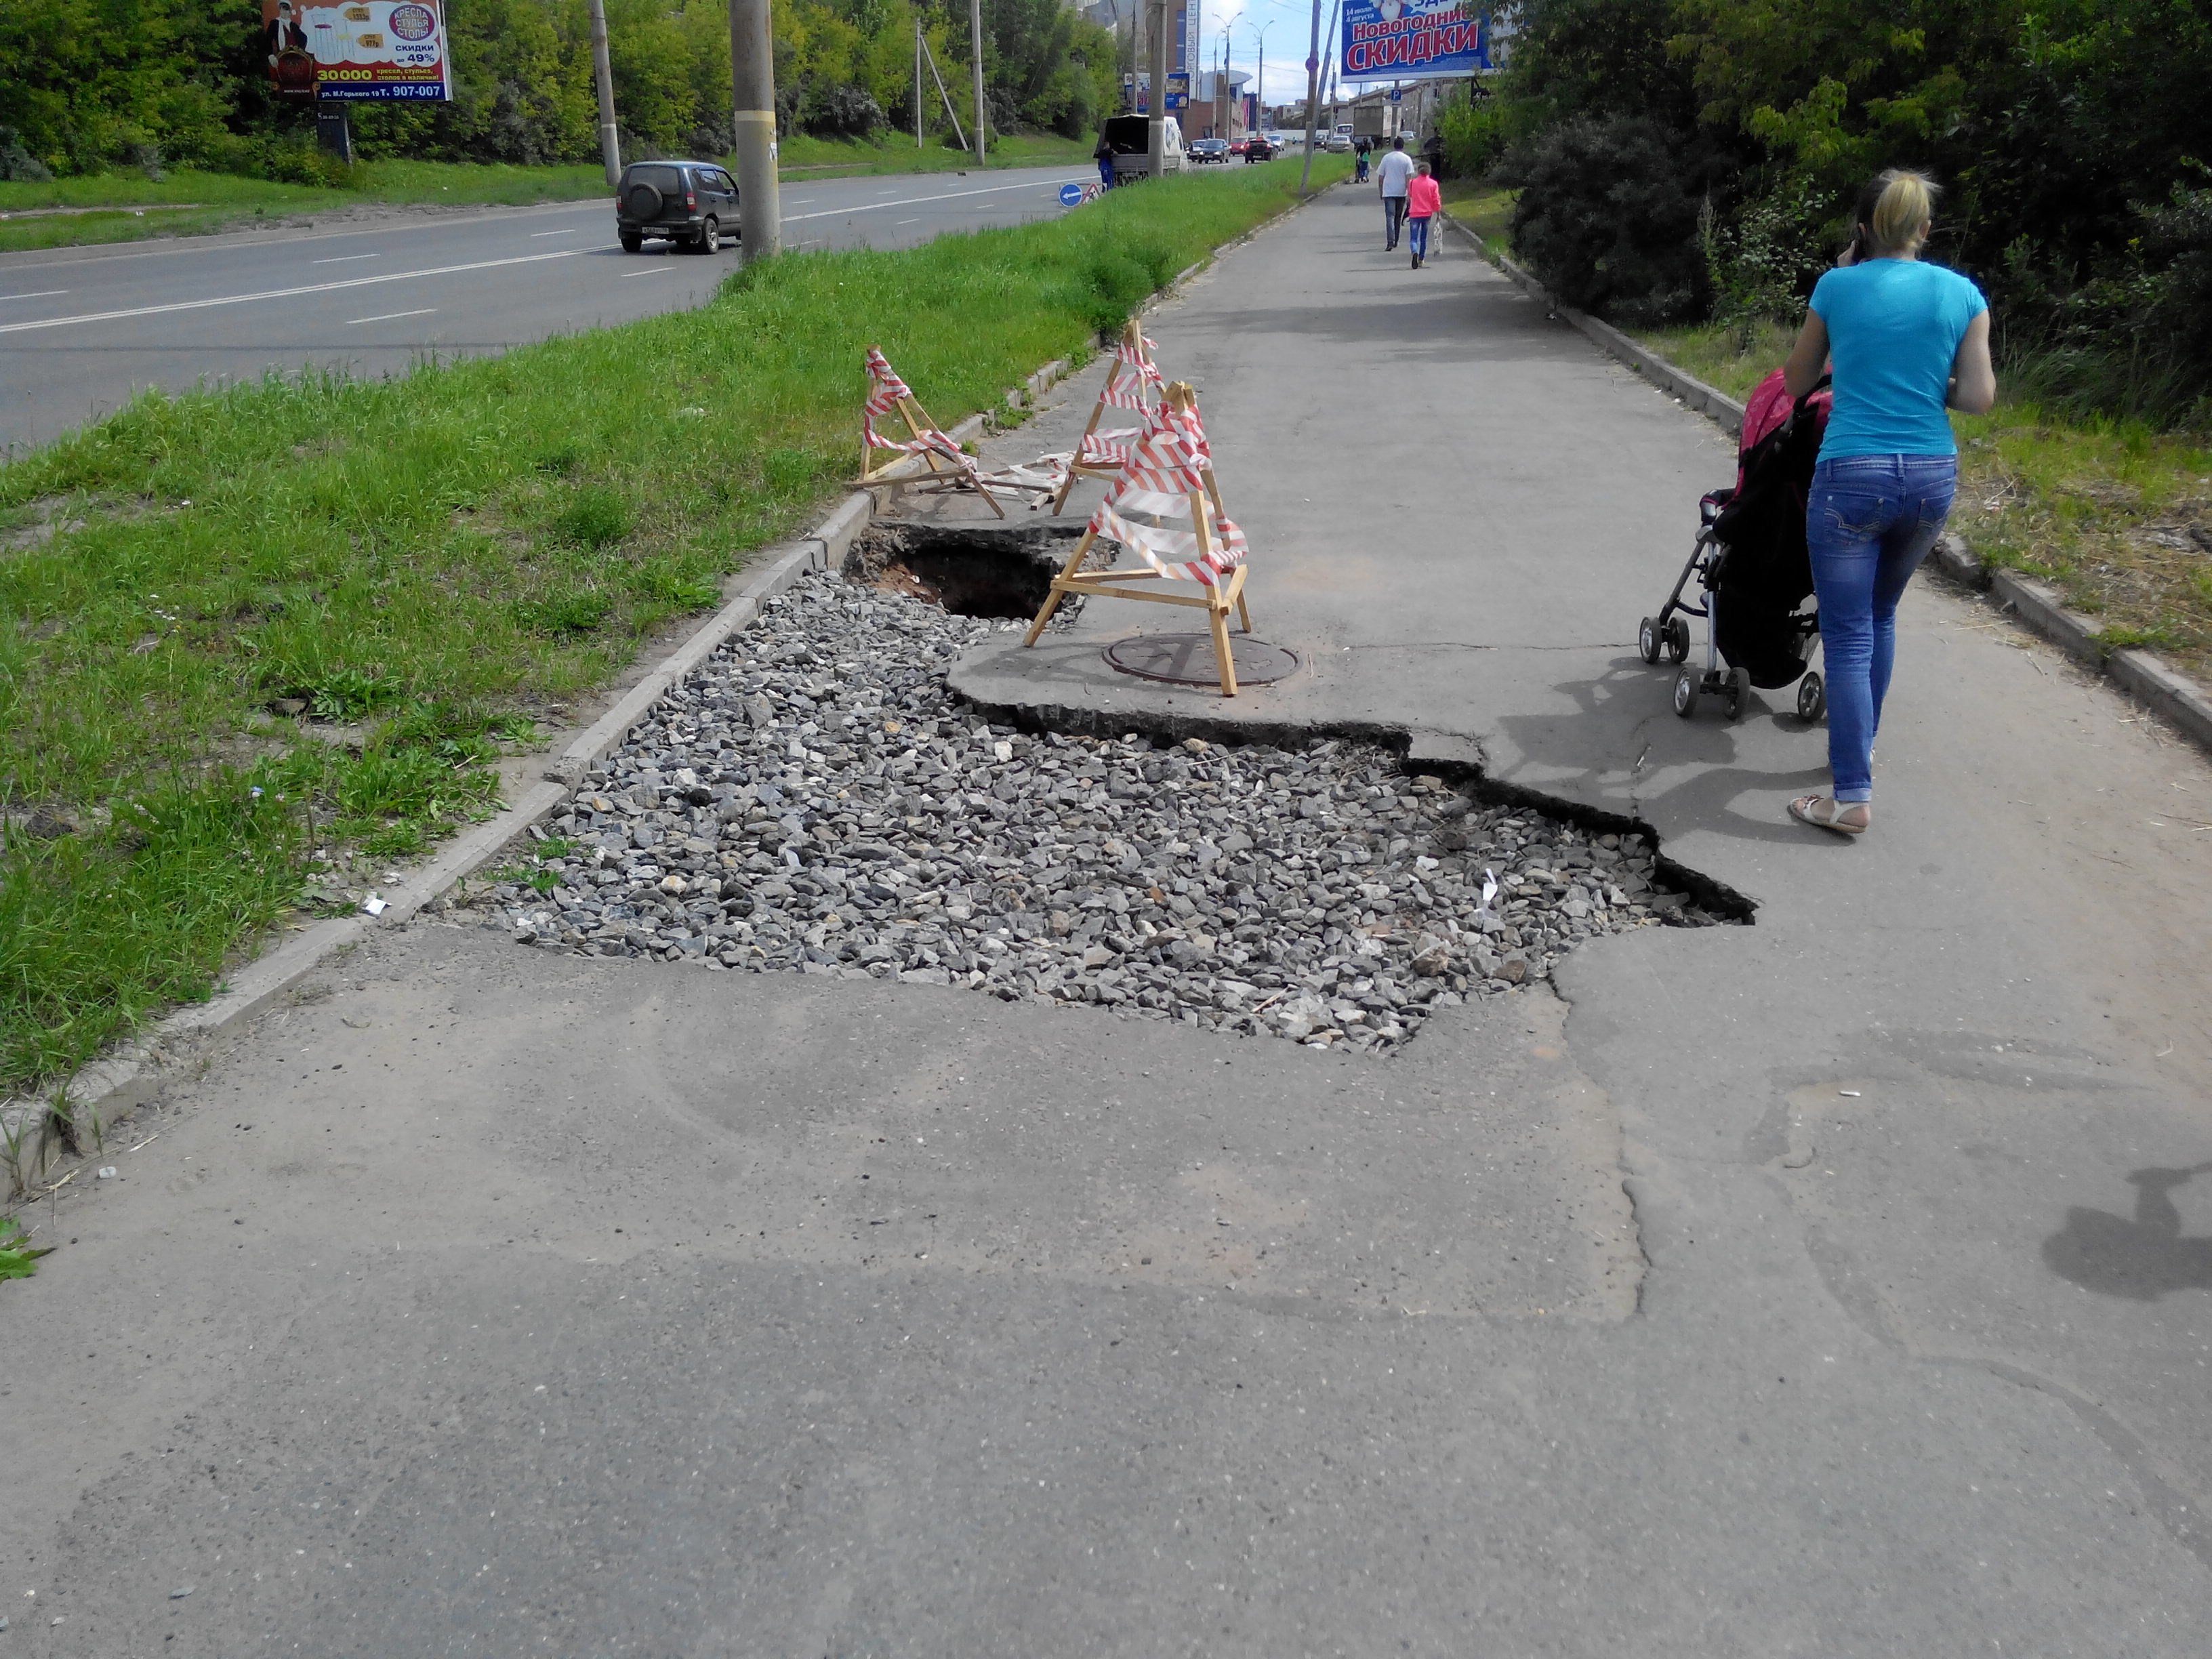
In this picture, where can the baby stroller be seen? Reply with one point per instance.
(1750, 563)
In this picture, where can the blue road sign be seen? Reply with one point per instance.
(1071, 195)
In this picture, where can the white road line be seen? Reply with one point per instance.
(344, 258)
(393, 316)
(924, 201)
(906, 221)
(570, 231)
(43, 294)
(230, 242)
(803, 201)
(289, 293)
(651, 270)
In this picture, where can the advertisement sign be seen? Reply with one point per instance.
(1178, 94)
(1412, 40)
(360, 49)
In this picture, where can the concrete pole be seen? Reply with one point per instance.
(917, 83)
(603, 72)
(1312, 98)
(975, 44)
(752, 97)
(1156, 110)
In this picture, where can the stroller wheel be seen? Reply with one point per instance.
(1647, 640)
(1739, 692)
(1678, 639)
(1812, 697)
(1685, 694)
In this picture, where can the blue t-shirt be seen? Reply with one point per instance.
(1893, 331)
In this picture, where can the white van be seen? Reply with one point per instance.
(1128, 138)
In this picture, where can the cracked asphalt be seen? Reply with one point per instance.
(1836, 1285)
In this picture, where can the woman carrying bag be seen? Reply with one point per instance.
(1907, 340)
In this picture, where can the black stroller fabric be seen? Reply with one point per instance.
(1766, 573)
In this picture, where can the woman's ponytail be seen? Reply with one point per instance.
(1894, 208)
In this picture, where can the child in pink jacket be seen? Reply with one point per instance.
(1424, 199)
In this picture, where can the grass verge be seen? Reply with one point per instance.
(127, 206)
(277, 631)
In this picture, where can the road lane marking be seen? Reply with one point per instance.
(290, 293)
(651, 270)
(344, 258)
(906, 221)
(43, 294)
(393, 316)
(924, 201)
(570, 231)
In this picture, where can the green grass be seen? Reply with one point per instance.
(1483, 209)
(129, 206)
(18, 1260)
(191, 203)
(284, 626)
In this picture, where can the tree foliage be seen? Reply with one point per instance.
(2072, 138)
(89, 84)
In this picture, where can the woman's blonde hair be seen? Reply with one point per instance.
(1894, 207)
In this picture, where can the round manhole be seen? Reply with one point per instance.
(1188, 660)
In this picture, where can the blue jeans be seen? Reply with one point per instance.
(1869, 521)
(1417, 232)
(1394, 215)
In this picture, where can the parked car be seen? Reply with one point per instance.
(1127, 137)
(1209, 150)
(693, 204)
(1258, 147)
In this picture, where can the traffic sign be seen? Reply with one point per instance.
(1071, 195)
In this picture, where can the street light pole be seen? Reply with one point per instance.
(1156, 108)
(975, 44)
(1259, 80)
(752, 97)
(603, 75)
(1312, 98)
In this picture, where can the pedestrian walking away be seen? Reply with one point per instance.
(1359, 176)
(1392, 174)
(1424, 199)
(1906, 340)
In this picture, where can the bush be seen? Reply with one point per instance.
(847, 112)
(17, 165)
(1608, 220)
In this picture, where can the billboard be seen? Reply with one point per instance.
(359, 49)
(1412, 40)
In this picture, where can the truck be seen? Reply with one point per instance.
(1127, 137)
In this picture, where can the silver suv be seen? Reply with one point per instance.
(693, 204)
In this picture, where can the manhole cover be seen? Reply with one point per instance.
(1187, 659)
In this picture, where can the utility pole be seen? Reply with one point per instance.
(602, 72)
(1156, 110)
(752, 96)
(1312, 98)
(975, 42)
(917, 82)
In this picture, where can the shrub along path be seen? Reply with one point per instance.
(244, 634)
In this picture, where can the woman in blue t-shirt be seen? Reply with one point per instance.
(1906, 340)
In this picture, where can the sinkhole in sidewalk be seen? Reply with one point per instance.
(970, 569)
(815, 799)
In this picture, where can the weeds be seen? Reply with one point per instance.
(18, 1260)
(306, 613)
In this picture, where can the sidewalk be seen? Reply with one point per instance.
(487, 1300)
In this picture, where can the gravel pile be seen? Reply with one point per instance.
(815, 799)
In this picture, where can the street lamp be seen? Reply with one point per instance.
(1260, 78)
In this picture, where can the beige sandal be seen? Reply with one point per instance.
(1825, 812)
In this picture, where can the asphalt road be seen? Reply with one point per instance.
(82, 331)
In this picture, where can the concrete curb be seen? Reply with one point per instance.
(2161, 689)
(129, 1075)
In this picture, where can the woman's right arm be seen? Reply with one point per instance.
(1808, 358)
(1973, 379)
